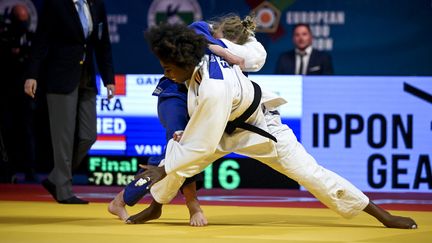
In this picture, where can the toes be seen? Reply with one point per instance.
(129, 221)
(196, 223)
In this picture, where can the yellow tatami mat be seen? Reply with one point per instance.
(52, 222)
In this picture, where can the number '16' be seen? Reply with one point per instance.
(228, 175)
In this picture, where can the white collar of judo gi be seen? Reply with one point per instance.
(269, 99)
(241, 85)
(193, 87)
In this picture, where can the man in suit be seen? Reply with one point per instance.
(304, 60)
(69, 34)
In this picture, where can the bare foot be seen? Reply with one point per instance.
(399, 222)
(154, 211)
(197, 217)
(117, 207)
(388, 220)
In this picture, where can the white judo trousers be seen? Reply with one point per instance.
(211, 104)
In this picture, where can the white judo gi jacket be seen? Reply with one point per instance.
(253, 53)
(218, 93)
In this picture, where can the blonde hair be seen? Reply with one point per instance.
(234, 28)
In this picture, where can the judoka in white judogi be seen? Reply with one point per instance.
(218, 93)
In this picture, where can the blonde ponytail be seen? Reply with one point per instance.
(234, 28)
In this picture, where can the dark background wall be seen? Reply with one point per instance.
(386, 37)
(368, 37)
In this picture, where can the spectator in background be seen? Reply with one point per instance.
(304, 60)
(16, 110)
(69, 34)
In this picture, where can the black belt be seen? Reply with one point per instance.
(239, 122)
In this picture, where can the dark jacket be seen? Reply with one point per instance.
(59, 47)
(320, 63)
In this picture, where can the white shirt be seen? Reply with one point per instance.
(307, 53)
(86, 12)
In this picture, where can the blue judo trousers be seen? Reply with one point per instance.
(173, 115)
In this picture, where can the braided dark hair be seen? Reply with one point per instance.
(177, 44)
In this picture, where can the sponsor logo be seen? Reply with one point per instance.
(173, 12)
(267, 17)
(375, 131)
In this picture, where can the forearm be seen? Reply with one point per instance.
(204, 129)
(227, 55)
(184, 157)
(252, 52)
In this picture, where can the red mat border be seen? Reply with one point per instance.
(34, 192)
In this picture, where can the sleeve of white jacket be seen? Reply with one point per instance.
(252, 52)
(204, 129)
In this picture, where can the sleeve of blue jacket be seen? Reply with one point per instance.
(173, 115)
